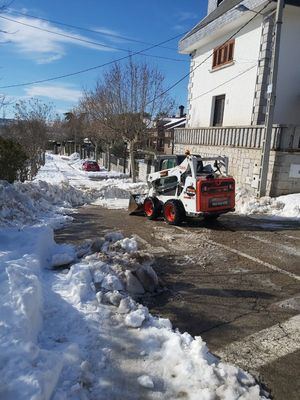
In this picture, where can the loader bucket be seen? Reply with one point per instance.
(136, 204)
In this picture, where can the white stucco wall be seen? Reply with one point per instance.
(239, 91)
(287, 110)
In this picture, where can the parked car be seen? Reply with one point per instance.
(90, 166)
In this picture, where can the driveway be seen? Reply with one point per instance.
(234, 281)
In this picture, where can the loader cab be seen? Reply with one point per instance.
(164, 161)
(166, 185)
(199, 168)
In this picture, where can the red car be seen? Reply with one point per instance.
(90, 166)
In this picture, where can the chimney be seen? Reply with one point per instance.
(181, 111)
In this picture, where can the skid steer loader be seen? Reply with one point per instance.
(191, 189)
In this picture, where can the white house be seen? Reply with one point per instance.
(229, 88)
(230, 52)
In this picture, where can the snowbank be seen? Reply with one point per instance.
(39, 201)
(27, 371)
(287, 206)
(57, 189)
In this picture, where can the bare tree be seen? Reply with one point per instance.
(30, 130)
(125, 102)
(75, 126)
(2, 101)
(100, 134)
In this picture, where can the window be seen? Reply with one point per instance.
(218, 110)
(223, 55)
(168, 163)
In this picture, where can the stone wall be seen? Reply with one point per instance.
(144, 170)
(286, 174)
(263, 72)
(115, 164)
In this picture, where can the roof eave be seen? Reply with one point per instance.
(206, 27)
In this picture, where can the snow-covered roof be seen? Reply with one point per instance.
(178, 125)
(175, 120)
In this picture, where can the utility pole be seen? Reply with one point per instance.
(266, 148)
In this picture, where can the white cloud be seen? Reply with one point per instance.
(54, 92)
(43, 47)
(111, 34)
(179, 28)
(186, 15)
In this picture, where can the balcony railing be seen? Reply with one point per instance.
(283, 137)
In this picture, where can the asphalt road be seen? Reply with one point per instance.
(234, 281)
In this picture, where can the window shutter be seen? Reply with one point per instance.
(223, 55)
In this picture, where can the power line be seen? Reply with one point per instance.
(132, 55)
(91, 68)
(113, 35)
(84, 40)
(208, 57)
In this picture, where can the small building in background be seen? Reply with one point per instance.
(161, 135)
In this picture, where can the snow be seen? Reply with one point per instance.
(136, 318)
(287, 206)
(62, 340)
(128, 244)
(146, 381)
(58, 188)
(29, 371)
(80, 333)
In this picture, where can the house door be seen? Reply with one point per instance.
(219, 110)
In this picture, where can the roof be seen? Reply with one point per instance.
(225, 6)
(175, 121)
(222, 9)
(181, 122)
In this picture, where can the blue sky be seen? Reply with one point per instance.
(28, 54)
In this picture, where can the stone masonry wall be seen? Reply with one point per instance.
(144, 170)
(263, 72)
(286, 174)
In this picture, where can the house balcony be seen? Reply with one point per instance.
(284, 138)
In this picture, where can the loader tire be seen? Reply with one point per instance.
(174, 212)
(152, 207)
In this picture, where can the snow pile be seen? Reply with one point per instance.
(74, 157)
(176, 363)
(28, 372)
(287, 206)
(55, 191)
(39, 201)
